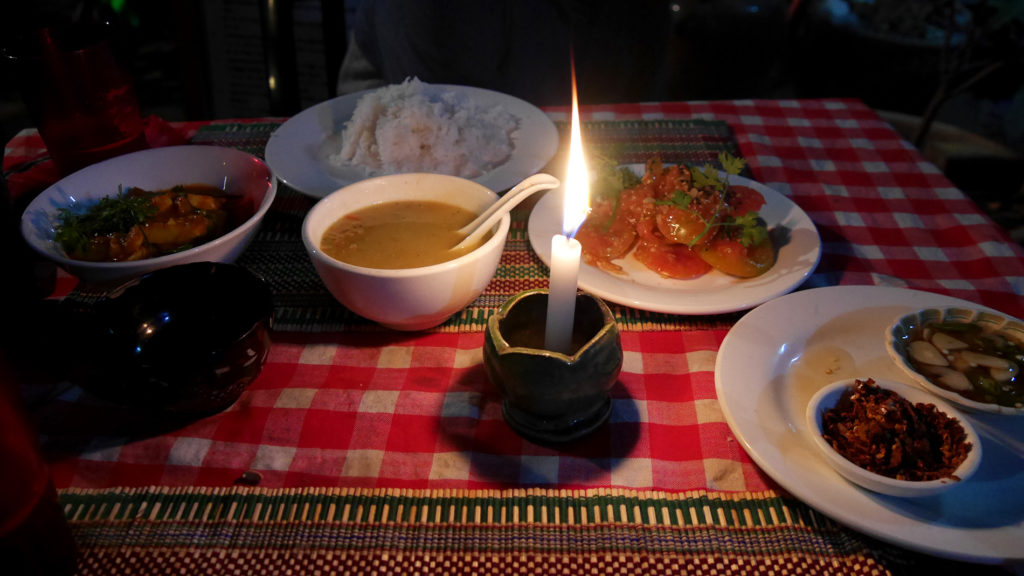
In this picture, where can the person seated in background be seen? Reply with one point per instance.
(518, 47)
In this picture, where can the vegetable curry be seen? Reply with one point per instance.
(137, 224)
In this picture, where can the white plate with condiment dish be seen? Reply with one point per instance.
(777, 356)
(795, 236)
(298, 150)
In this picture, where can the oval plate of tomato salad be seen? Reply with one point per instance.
(702, 289)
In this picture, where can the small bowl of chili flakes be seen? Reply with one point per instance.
(892, 438)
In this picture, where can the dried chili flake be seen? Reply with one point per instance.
(882, 432)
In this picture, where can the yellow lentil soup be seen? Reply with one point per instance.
(402, 234)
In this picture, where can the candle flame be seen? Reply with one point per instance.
(576, 199)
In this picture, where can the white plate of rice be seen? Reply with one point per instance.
(485, 136)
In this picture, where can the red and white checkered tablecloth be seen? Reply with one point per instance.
(380, 409)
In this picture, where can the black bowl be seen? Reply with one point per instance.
(185, 339)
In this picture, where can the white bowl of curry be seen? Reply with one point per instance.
(140, 212)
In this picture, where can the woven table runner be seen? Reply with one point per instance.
(694, 142)
(302, 303)
(245, 530)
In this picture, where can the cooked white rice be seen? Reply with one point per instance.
(413, 127)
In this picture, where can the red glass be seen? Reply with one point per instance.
(78, 94)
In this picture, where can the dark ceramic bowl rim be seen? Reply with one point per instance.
(494, 324)
(261, 313)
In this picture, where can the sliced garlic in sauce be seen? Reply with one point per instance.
(980, 359)
(945, 342)
(926, 352)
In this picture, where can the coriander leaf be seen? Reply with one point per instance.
(112, 214)
(609, 179)
(620, 180)
(752, 229)
(730, 163)
(707, 177)
(748, 219)
(627, 178)
(679, 199)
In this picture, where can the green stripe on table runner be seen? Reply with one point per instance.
(576, 507)
(303, 304)
(183, 530)
(162, 527)
(692, 141)
(249, 137)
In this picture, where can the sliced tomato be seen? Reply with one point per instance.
(670, 260)
(743, 199)
(632, 203)
(600, 247)
(605, 235)
(682, 227)
(735, 259)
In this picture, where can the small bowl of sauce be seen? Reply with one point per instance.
(972, 358)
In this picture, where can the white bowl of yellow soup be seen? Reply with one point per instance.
(381, 247)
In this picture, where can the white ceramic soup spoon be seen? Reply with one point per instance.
(483, 223)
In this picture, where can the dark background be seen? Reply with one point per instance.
(193, 59)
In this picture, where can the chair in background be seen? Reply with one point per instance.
(278, 27)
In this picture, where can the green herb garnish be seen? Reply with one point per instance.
(609, 181)
(111, 215)
(749, 229)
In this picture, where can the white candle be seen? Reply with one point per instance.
(565, 268)
(566, 250)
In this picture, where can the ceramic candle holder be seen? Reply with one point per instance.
(551, 396)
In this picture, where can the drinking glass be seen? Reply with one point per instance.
(77, 93)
